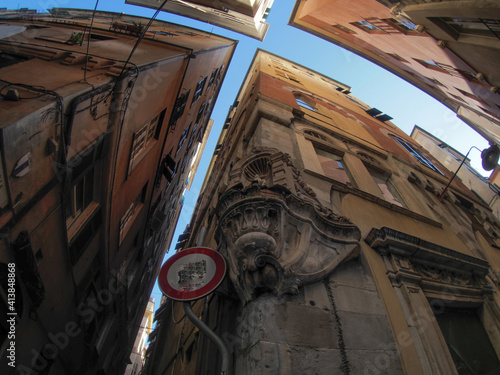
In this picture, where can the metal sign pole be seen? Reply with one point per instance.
(226, 357)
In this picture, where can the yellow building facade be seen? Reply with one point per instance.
(341, 258)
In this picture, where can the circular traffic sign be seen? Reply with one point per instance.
(192, 273)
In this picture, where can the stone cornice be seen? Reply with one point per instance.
(390, 241)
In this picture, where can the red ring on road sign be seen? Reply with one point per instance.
(181, 295)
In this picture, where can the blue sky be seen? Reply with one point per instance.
(378, 88)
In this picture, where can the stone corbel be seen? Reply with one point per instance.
(277, 237)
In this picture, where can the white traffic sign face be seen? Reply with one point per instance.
(192, 273)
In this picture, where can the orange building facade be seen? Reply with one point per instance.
(443, 48)
(96, 147)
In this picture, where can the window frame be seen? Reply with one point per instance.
(129, 216)
(422, 159)
(305, 102)
(198, 90)
(338, 157)
(423, 275)
(76, 220)
(141, 140)
(390, 195)
(368, 27)
(178, 110)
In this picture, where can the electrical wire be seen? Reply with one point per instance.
(88, 43)
(137, 42)
(42, 90)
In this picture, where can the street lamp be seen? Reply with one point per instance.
(490, 157)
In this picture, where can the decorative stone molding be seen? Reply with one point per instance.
(434, 268)
(274, 232)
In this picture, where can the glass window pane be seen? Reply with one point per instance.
(304, 104)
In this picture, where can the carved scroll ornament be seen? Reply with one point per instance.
(275, 241)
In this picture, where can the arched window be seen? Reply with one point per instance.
(315, 135)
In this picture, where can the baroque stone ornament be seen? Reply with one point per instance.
(275, 241)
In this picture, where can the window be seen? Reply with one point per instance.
(284, 73)
(457, 97)
(201, 110)
(376, 113)
(198, 90)
(490, 113)
(165, 33)
(168, 168)
(142, 138)
(343, 28)
(453, 284)
(193, 135)
(457, 27)
(80, 196)
(386, 187)
(219, 75)
(132, 212)
(436, 82)
(82, 212)
(403, 25)
(469, 95)
(212, 78)
(305, 103)
(397, 57)
(332, 165)
(471, 77)
(432, 65)
(315, 135)
(183, 138)
(417, 155)
(368, 27)
(82, 192)
(178, 110)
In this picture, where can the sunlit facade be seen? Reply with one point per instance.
(341, 258)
